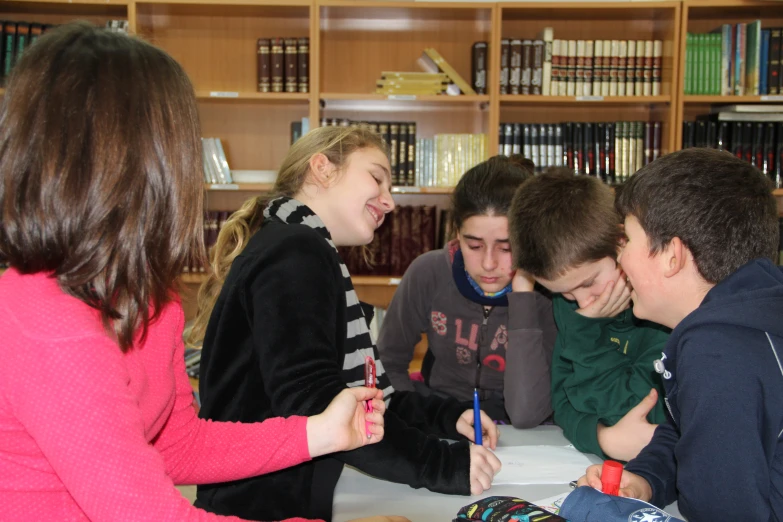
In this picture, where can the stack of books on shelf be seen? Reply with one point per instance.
(442, 160)
(753, 133)
(283, 64)
(552, 67)
(411, 83)
(117, 26)
(216, 168)
(407, 232)
(432, 62)
(734, 59)
(399, 136)
(611, 151)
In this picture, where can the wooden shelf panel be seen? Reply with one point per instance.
(60, 12)
(230, 3)
(252, 96)
(436, 99)
(358, 41)
(778, 192)
(216, 43)
(422, 190)
(584, 100)
(357, 280)
(239, 187)
(731, 99)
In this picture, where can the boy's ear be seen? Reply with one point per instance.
(321, 170)
(674, 256)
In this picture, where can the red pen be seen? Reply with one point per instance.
(369, 382)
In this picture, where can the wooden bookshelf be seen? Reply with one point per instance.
(595, 21)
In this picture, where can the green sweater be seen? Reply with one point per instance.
(601, 368)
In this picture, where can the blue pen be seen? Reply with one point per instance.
(477, 417)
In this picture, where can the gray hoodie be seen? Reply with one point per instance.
(514, 341)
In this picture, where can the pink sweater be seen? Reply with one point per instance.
(90, 433)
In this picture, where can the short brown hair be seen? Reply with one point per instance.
(721, 207)
(100, 159)
(559, 221)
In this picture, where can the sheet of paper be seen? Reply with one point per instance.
(552, 504)
(539, 465)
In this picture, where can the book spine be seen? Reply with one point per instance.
(773, 70)
(764, 62)
(622, 64)
(554, 88)
(558, 128)
(630, 66)
(479, 67)
(411, 178)
(527, 67)
(571, 61)
(546, 75)
(588, 158)
(10, 42)
(739, 61)
(599, 152)
(278, 65)
(610, 151)
(537, 67)
(550, 145)
(598, 67)
(35, 32)
(508, 139)
(614, 65)
(263, 53)
(516, 139)
(501, 140)
(402, 154)
(535, 146)
(580, 68)
(394, 135)
(290, 63)
(527, 141)
(657, 60)
(515, 66)
(22, 37)
(639, 71)
(504, 64)
(648, 65)
(606, 74)
(725, 60)
(303, 64)
(588, 70)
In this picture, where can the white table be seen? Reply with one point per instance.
(359, 495)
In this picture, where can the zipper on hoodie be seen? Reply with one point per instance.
(482, 335)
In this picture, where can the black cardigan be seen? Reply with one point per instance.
(274, 347)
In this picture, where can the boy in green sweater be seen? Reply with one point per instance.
(606, 395)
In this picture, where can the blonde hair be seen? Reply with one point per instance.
(336, 143)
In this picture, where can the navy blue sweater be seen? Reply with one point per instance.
(722, 458)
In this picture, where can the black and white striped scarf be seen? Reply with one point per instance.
(358, 337)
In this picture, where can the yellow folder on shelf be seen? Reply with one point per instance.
(444, 66)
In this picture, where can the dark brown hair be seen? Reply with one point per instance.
(487, 188)
(721, 207)
(559, 221)
(337, 144)
(100, 159)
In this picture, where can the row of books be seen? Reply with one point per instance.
(407, 232)
(553, 67)
(213, 222)
(216, 168)
(758, 143)
(734, 59)
(611, 151)
(442, 160)
(283, 64)
(15, 37)
(412, 83)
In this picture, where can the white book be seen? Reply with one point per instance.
(630, 67)
(622, 60)
(614, 63)
(580, 68)
(225, 171)
(598, 67)
(639, 75)
(546, 80)
(588, 71)
(657, 59)
(607, 68)
(556, 70)
(571, 89)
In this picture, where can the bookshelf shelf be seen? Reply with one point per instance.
(422, 190)
(252, 96)
(239, 187)
(429, 98)
(193, 279)
(778, 192)
(586, 100)
(732, 99)
(375, 280)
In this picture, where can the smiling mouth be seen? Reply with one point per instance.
(376, 214)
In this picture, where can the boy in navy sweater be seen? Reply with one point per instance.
(701, 230)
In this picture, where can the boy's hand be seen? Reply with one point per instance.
(631, 485)
(341, 426)
(489, 430)
(522, 281)
(483, 467)
(632, 433)
(615, 298)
